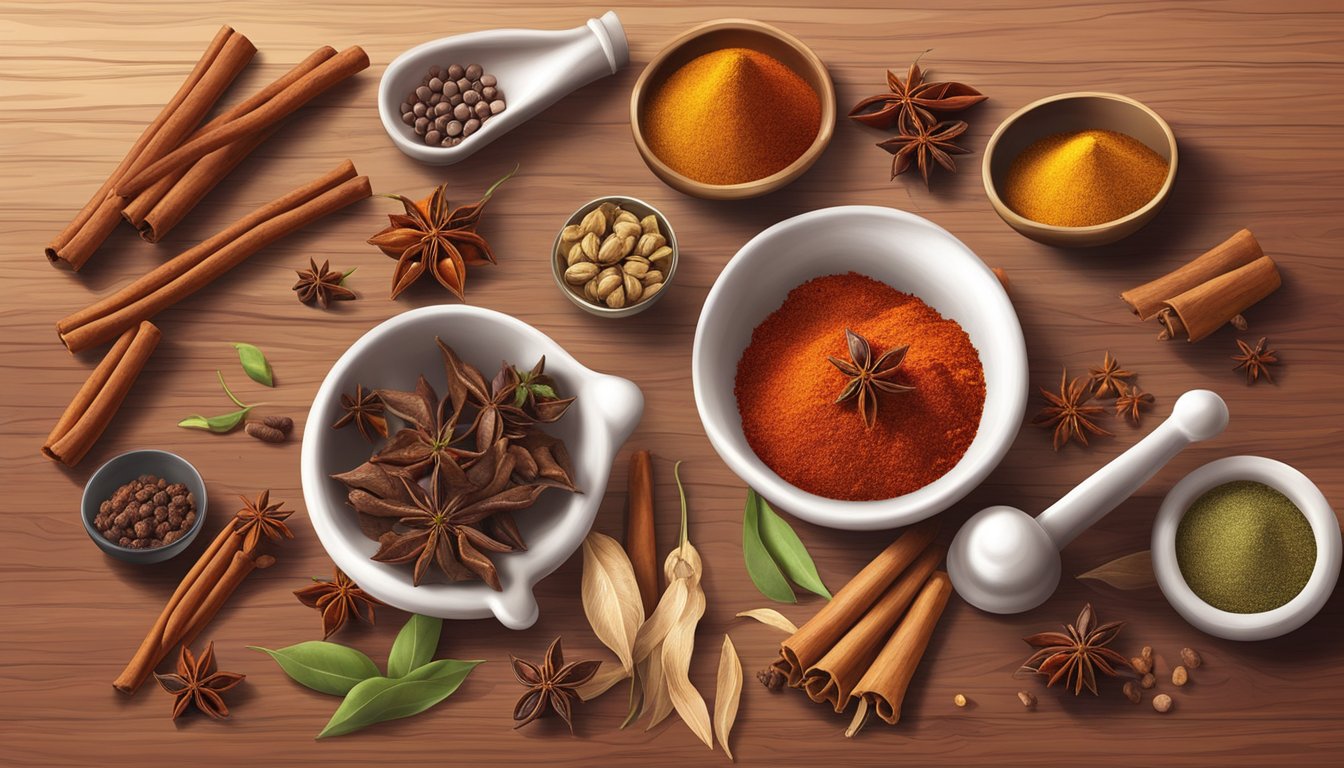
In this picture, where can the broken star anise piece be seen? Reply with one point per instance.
(868, 376)
(1110, 379)
(1131, 402)
(1255, 360)
(552, 686)
(920, 145)
(322, 285)
(338, 600)
(536, 394)
(1069, 413)
(197, 683)
(497, 417)
(261, 519)
(364, 409)
(1077, 654)
(433, 236)
(913, 101)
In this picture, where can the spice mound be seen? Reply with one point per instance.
(732, 116)
(786, 390)
(1244, 547)
(1084, 178)
(146, 513)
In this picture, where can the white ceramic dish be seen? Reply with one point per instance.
(1248, 626)
(535, 67)
(908, 253)
(393, 355)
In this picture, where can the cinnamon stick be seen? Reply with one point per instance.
(241, 564)
(1237, 251)
(97, 401)
(199, 266)
(300, 92)
(1209, 306)
(640, 542)
(159, 208)
(226, 56)
(810, 643)
(834, 677)
(883, 687)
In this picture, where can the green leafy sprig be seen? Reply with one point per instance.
(775, 555)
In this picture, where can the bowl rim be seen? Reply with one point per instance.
(1304, 494)
(880, 514)
(603, 311)
(1018, 221)
(88, 507)
(755, 187)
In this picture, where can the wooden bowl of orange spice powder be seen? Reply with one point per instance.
(732, 109)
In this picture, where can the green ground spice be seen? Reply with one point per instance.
(1244, 547)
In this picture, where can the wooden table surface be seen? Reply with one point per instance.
(1250, 88)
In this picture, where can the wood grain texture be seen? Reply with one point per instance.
(1250, 88)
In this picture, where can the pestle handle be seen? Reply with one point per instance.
(1198, 415)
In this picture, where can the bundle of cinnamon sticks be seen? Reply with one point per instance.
(174, 163)
(1209, 292)
(865, 644)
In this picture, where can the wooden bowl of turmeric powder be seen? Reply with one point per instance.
(1080, 169)
(732, 109)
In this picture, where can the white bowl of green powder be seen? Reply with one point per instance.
(1246, 548)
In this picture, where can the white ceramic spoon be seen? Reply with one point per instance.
(1005, 561)
(535, 68)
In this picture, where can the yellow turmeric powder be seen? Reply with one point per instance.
(1084, 178)
(732, 116)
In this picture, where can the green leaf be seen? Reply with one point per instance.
(324, 667)
(219, 424)
(415, 645)
(347, 275)
(255, 364)
(787, 550)
(764, 572)
(520, 396)
(380, 699)
(219, 375)
(543, 390)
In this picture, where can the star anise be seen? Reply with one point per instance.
(261, 518)
(497, 417)
(432, 236)
(198, 684)
(430, 439)
(913, 101)
(338, 600)
(1068, 412)
(1077, 654)
(922, 145)
(1131, 402)
(1110, 378)
(552, 686)
(536, 394)
(1255, 360)
(322, 285)
(868, 376)
(365, 411)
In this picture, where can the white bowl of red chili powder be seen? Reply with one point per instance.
(769, 395)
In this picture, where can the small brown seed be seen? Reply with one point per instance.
(1026, 698)
(1179, 676)
(959, 700)
(1132, 692)
(1141, 665)
(282, 423)
(263, 432)
(1190, 657)
(1147, 681)
(1162, 702)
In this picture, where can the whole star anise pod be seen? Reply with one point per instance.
(338, 600)
(922, 145)
(868, 376)
(536, 394)
(496, 416)
(913, 101)
(1068, 411)
(1110, 378)
(1077, 654)
(430, 439)
(432, 236)
(552, 686)
(365, 411)
(198, 684)
(1131, 402)
(1255, 360)
(261, 518)
(322, 285)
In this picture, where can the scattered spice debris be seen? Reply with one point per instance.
(1077, 654)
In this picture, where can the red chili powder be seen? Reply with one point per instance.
(786, 390)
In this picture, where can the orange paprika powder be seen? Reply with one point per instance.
(786, 390)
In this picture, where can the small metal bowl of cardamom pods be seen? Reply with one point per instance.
(615, 256)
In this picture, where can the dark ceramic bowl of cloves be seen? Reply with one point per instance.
(144, 506)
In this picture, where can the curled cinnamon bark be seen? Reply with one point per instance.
(639, 531)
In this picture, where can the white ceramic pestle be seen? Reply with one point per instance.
(535, 68)
(1005, 561)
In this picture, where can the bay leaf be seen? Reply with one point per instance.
(255, 364)
(324, 667)
(1133, 571)
(380, 699)
(415, 645)
(771, 618)
(727, 694)
(787, 550)
(218, 424)
(610, 594)
(761, 567)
